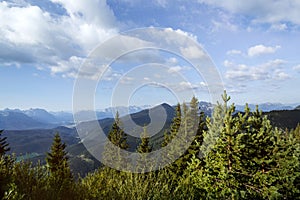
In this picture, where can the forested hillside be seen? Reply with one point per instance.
(230, 156)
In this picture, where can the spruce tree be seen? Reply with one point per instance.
(143, 149)
(215, 178)
(188, 132)
(174, 127)
(117, 137)
(6, 165)
(144, 146)
(61, 183)
(57, 157)
(3, 145)
(248, 159)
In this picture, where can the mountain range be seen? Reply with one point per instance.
(16, 119)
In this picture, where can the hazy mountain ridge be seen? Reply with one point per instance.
(15, 120)
(36, 118)
(266, 107)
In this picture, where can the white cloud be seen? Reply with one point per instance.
(270, 11)
(126, 80)
(297, 68)
(192, 52)
(203, 84)
(186, 85)
(267, 71)
(172, 61)
(261, 49)
(279, 27)
(227, 63)
(280, 75)
(234, 52)
(177, 69)
(223, 24)
(161, 3)
(29, 34)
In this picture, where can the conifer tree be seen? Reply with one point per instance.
(3, 145)
(6, 165)
(247, 160)
(174, 127)
(116, 135)
(60, 181)
(144, 146)
(188, 130)
(57, 157)
(118, 138)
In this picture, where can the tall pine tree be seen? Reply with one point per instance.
(57, 157)
(143, 149)
(113, 155)
(6, 165)
(175, 125)
(145, 146)
(3, 145)
(61, 181)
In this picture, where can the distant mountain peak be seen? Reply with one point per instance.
(297, 108)
(165, 105)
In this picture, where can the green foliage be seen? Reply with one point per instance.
(171, 133)
(60, 180)
(144, 146)
(111, 184)
(6, 163)
(3, 145)
(246, 158)
(57, 158)
(231, 156)
(112, 153)
(6, 174)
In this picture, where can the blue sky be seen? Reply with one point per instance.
(253, 44)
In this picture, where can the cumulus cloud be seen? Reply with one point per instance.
(177, 69)
(280, 75)
(261, 49)
(271, 70)
(186, 85)
(29, 34)
(192, 52)
(270, 11)
(60, 42)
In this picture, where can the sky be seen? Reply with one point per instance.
(43, 45)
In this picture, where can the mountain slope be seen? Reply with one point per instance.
(12, 120)
(141, 119)
(37, 140)
(41, 115)
(284, 118)
(265, 107)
